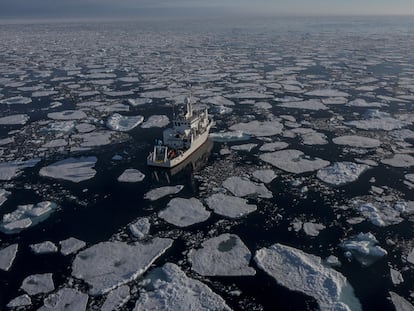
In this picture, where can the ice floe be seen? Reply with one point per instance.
(245, 147)
(225, 255)
(3, 196)
(158, 193)
(16, 100)
(139, 101)
(38, 283)
(299, 271)
(107, 265)
(312, 229)
(71, 169)
(229, 206)
(168, 288)
(184, 212)
(65, 299)
(94, 139)
(11, 170)
(131, 175)
(67, 115)
(71, 245)
(396, 277)
(400, 160)
(359, 102)
(265, 176)
(16, 119)
(381, 123)
(156, 121)
(241, 187)
(140, 228)
(21, 301)
(257, 128)
(400, 303)
(7, 256)
(46, 247)
(341, 173)
(277, 145)
(293, 161)
(311, 104)
(116, 298)
(357, 141)
(122, 123)
(229, 136)
(364, 248)
(381, 214)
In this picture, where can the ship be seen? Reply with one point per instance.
(190, 129)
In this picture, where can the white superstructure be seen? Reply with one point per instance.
(190, 130)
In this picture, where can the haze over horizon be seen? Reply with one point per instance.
(162, 8)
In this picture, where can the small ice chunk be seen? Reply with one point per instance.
(381, 214)
(341, 173)
(71, 245)
(299, 271)
(116, 298)
(71, 169)
(46, 247)
(312, 229)
(396, 277)
(360, 102)
(184, 212)
(327, 93)
(158, 193)
(245, 147)
(139, 101)
(241, 187)
(107, 265)
(229, 136)
(16, 100)
(311, 104)
(170, 289)
(68, 299)
(131, 175)
(21, 301)
(67, 115)
(38, 283)
(400, 303)
(265, 176)
(277, 145)
(3, 196)
(122, 123)
(16, 119)
(293, 161)
(257, 128)
(10, 170)
(7, 256)
(156, 121)
(400, 160)
(364, 249)
(225, 255)
(140, 228)
(333, 261)
(229, 206)
(94, 139)
(357, 141)
(85, 127)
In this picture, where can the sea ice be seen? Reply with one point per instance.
(7, 256)
(327, 93)
(359, 102)
(381, 123)
(229, 136)
(184, 212)
(10, 170)
(71, 245)
(293, 161)
(131, 175)
(140, 228)
(311, 104)
(67, 299)
(312, 229)
(396, 277)
(357, 141)
(3, 196)
(107, 265)
(400, 160)
(229, 206)
(241, 187)
(16, 119)
(67, 115)
(94, 139)
(158, 193)
(218, 101)
(71, 169)
(400, 303)
(56, 143)
(46, 247)
(245, 147)
(156, 121)
(139, 101)
(364, 248)
(116, 298)
(38, 283)
(341, 173)
(299, 271)
(122, 123)
(257, 128)
(225, 255)
(21, 301)
(265, 176)
(17, 100)
(168, 288)
(278, 145)
(381, 214)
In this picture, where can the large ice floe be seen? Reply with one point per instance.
(116, 298)
(382, 123)
(156, 121)
(71, 245)
(257, 128)
(293, 161)
(67, 115)
(400, 160)
(299, 271)
(265, 176)
(108, 265)
(131, 175)
(229, 136)
(20, 301)
(158, 193)
(327, 93)
(225, 255)
(38, 283)
(122, 123)
(168, 288)
(241, 187)
(184, 212)
(7, 256)
(357, 141)
(341, 173)
(65, 299)
(400, 303)
(71, 169)
(26, 216)
(229, 206)
(10, 170)
(16, 119)
(363, 247)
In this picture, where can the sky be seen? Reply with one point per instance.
(130, 8)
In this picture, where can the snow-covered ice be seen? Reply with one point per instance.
(245, 147)
(400, 303)
(3, 196)
(168, 288)
(21, 301)
(396, 277)
(16, 100)
(293, 161)
(67, 299)
(312, 229)
(46, 247)
(357, 141)
(71, 169)
(277, 145)
(116, 298)
(122, 123)
(225, 255)
(7, 256)
(140, 228)
(131, 175)
(265, 176)
(156, 121)
(11, 170)
(158, 193)
(257, 128)
(229, 136)
(38, 283)
(327, 93)
(364, 248)
(381, 214)
(381, 123)
(241, 187)
(299, 271)
(16, 119)
(311, 104)
(107, 265)
(184, 212)
(400, 160)
(71, 245)
(341, 173)
(67, 115)
(229, 206)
